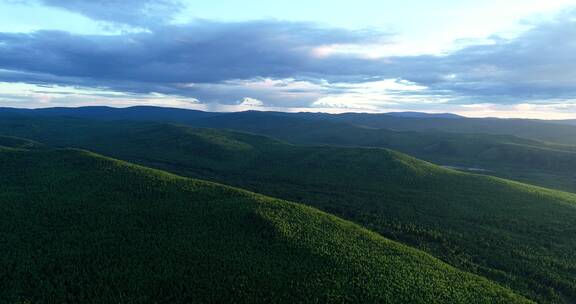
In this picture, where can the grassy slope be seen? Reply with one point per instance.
(519, 235)
(80, 228)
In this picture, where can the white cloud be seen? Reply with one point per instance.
(372, 96)
(36, 96)
(251, 102)
(562, 110)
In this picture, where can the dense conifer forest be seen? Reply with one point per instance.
(81, 228)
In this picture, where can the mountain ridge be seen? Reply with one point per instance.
(98, 229)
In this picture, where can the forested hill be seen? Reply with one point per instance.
(518, 235)
(560, 132)
(81, 228)
(518, 156)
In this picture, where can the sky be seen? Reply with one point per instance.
(513, 58)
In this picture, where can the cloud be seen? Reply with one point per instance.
(140, 13)
(376, 96)
(251, 102)
(199, 52)
(296, 64)
(176, 59)
(40, 96)
(537, 65)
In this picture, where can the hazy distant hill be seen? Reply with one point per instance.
(434, 146)
(518, 235)
(424, 115)
(109, 113)
(543, 130)
(492, 152)
(518, 158)
(571, 122)
(81, 228)
(560, 132)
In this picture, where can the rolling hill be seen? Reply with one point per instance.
(138, 113)
(542, 130)
(77, 227)
(424, 115)
(518, 235)
(526, 160)
(463, 148)
(561, 132)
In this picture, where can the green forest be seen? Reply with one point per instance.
(81, 228)
(368, 224)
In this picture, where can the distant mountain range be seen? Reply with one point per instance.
(423, 115)
(559, 131)
(534, 151)
(172, 114)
